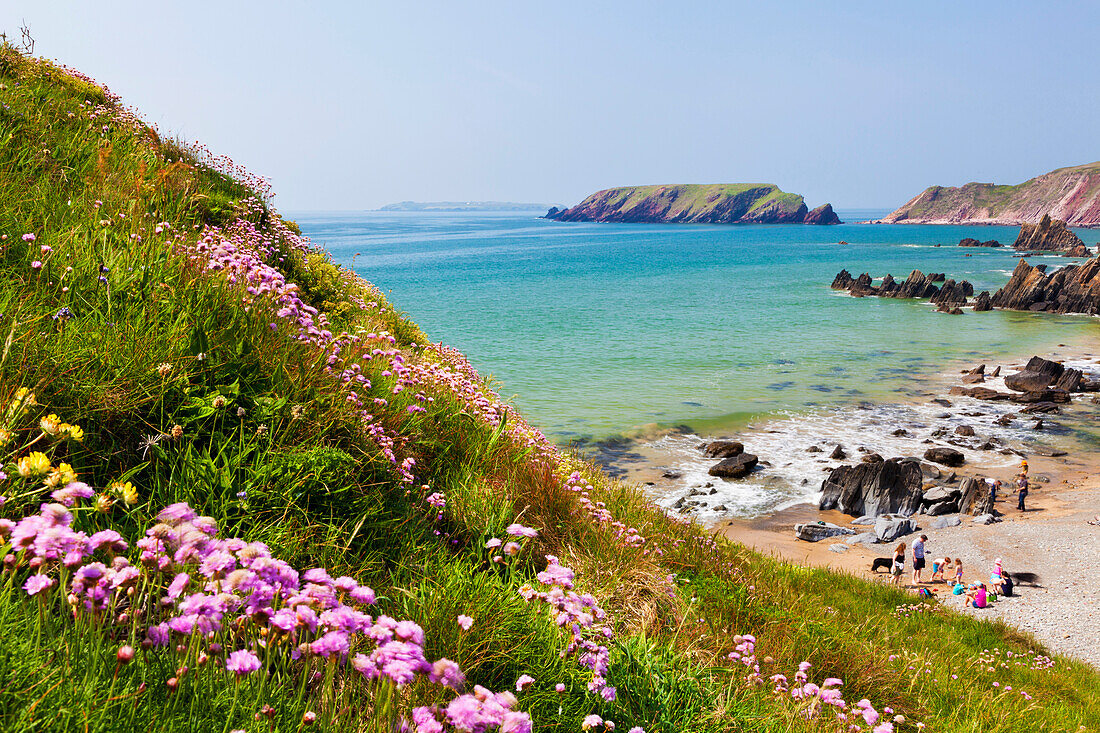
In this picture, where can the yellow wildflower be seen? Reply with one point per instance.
(61, 476)
(51, 424)
(5, 437)
(124, 491)
(72, 432)
(34, 464)
(103, 503)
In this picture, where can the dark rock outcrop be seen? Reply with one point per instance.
(945, 456)
(982, 302)
(981, 393)
(1070, 289)
(892, 486)
(918, 285)
(1050, 235)
(723, 449)
(823, 214)
(971, 242)
(552, 213)
(738, 466)
(1037, 375)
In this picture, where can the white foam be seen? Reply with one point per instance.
(794, 475)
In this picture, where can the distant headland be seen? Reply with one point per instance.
(735, 203)
(1070, 194)
(448, 206)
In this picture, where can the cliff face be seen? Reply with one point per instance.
(1069, 194)
(697, 204)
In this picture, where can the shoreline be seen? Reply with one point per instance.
(1065, 493)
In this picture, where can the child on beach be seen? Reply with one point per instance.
(958, 570)
(939, 567)
(918, 558)
(977, 598)
(898, 565)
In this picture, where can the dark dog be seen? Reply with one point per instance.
(1031, 579)
(881, 562)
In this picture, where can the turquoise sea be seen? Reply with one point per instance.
(604, 330)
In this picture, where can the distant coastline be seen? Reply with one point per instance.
(456, 206)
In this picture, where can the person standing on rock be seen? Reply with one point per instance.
(898, 565)
(994, 487)
(918, 558)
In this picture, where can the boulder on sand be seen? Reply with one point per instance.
(817, 531)
(889, 527)
(882, 487)
(738, 466)
(723, 449)
(945, 456)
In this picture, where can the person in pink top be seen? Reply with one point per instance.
(979, 598)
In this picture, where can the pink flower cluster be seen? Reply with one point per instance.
(196, 594)
(581, 617)
(812, 699)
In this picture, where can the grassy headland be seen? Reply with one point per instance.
(695, 204)
(1071, 194)
(170, 341)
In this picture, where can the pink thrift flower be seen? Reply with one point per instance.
(524, 682)
(36, 265)
(242, 662)
(29, 237)
(465, 621)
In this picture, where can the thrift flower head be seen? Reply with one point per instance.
(465, 622)
(242, 662)
(524, 682)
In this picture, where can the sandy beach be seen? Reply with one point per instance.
(1052, 540)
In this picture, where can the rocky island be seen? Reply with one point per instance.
(1071, 194)
(738, 203)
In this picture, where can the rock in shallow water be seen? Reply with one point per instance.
(945, 456)
(737, 467)
(723, 449)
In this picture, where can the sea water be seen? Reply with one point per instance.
(604, 330)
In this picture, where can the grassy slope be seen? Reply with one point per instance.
(935, 200)
(317, 490)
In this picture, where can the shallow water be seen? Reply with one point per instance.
(604, 330)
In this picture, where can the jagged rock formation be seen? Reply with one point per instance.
(1070, 289)
(740, 203)
(1070, 194)
(918, 285)
(971, 242)
(823, 214)
(1050, 235)
(882, 487)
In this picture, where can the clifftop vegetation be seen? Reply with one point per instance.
(243, 491)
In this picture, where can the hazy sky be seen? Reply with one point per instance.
(351, 105)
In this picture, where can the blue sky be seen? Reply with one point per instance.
(351, 105)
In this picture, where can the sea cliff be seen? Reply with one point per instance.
(1070, 194)
(739, 203)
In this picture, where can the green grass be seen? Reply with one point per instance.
(268, 445)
